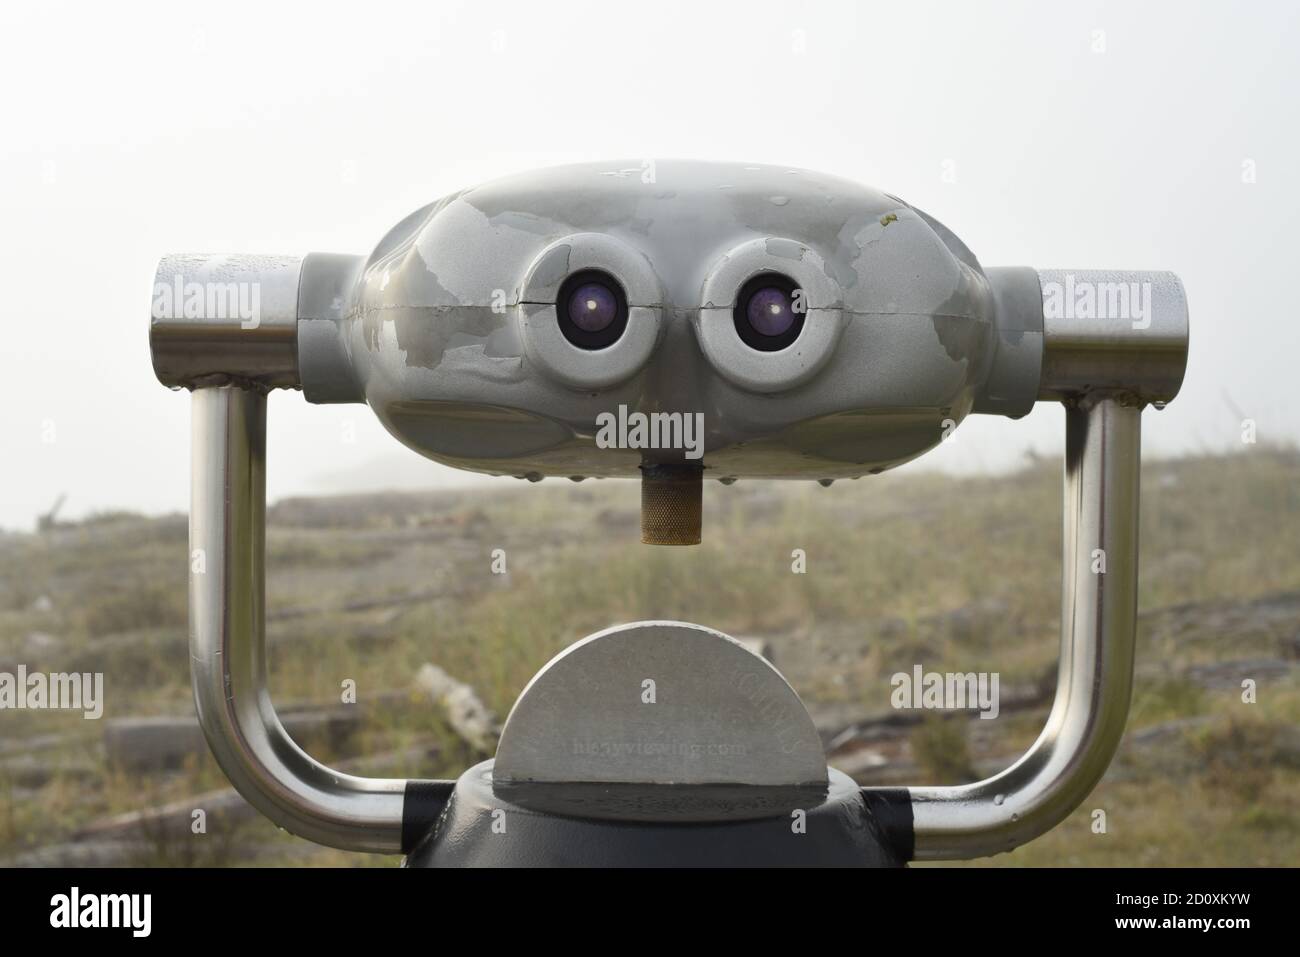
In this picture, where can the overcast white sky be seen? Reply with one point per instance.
(1082, 135)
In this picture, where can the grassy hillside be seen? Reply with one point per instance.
(901, 569)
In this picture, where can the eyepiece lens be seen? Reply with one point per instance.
(769, 312)
(592, 309)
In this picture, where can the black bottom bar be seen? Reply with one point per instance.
(931, 909)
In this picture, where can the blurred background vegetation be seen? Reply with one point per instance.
(956, 575)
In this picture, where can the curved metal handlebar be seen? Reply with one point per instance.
(1104, 375)
(1083, 729)
(1095, 680)
(228, 645)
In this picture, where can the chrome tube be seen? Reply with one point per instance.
(1095, 680)
(1134, 340)
(223, 318)
(228, 643)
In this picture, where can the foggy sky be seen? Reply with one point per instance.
(1079, 136)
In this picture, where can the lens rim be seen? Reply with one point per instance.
(574, 333)
(740, 313)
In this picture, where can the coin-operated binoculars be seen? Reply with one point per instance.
(752, 322)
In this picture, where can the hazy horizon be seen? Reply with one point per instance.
(1124, 136)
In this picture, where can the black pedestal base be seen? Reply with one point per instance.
(481, 828)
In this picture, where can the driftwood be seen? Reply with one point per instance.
(1220, 675)
(759, 646)
(162, 742)
(151, 742)
(174, 819)
(472, 720)
(224, 808)
(37, 742)
(33, 770)
(867, 768)
(147, 853)
(420, 597)
(155, 743)
(889, 724)
(162, 833)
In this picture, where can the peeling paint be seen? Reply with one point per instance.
(443, 332)
(785, 249)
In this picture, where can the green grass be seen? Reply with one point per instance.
(901, 569)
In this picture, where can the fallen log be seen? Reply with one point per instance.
(224, 807)
(152, 743)
(472, 720)
(888, 724)
(759, 646)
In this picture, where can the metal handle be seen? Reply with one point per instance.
(1094, 685)
(228, 647)
(1104, 372)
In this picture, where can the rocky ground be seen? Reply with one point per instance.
(902, 569)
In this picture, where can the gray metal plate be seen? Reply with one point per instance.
(660, 702)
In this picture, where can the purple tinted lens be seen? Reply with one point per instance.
(770, 312)
(592, 307)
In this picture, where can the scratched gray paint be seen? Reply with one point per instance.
(450, 377)
(448, 330)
